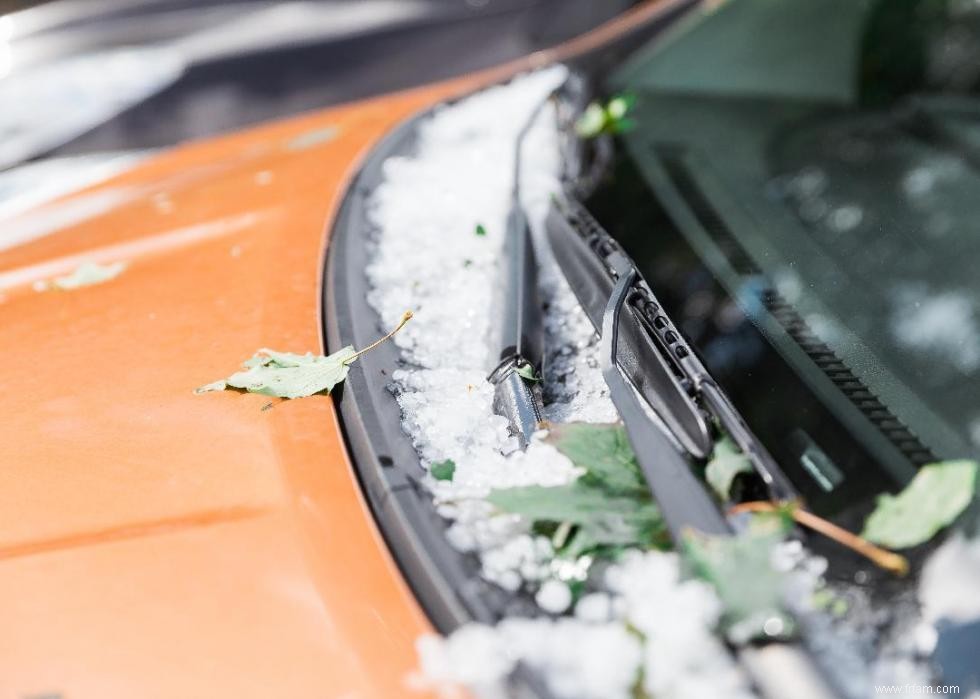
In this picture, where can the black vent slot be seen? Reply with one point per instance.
(821, 354)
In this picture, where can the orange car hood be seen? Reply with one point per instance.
(157, 543)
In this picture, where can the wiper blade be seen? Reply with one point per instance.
(683, 501)
(650, 352)
(581, 248)
(645, 360)
(518, 339)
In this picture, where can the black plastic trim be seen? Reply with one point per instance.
(446, 583)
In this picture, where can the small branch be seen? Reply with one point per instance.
(407, 316)
(560, 537)
(882, 558)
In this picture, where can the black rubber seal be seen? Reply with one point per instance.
(447, 584)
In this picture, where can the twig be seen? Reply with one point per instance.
(407, 316)
(882, 558)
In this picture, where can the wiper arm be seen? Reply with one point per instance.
(645, 360)
(682, 499)
(650, 352)
(518, 341)
(581, 248)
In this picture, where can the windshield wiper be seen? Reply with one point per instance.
(659, 402)
(633, 328)
(683, 501)
(518, 339)
(652, 359)
(665, 397)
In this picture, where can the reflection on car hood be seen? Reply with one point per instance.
(144, 528)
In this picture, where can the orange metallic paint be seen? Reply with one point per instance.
(155, 543)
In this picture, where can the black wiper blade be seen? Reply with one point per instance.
(651, 353)
(645, 360)
(581, 246)
(682, 499)
(518, 337)
(777, 669)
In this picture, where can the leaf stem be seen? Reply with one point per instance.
(882, 558)
(406, 316)
(560, 537)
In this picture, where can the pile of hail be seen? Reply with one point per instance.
(567, 521)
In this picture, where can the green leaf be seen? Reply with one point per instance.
(592, 122)
(526, 371)
(604, 519)
(87, 274)
(725, 464)
(287, 375)
(619, 106)
(827, 600)
(740, 570)
(480, 230)
(606, 510)
(610, 118)
(931, 501)
(443, 470)
(604, 452)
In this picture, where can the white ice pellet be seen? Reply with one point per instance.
(594, 608)
(554, 596)
(591, 657)
(578, 660)
(474, 656)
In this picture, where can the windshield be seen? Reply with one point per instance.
(806, 199)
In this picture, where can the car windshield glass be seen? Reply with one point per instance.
(807, 176)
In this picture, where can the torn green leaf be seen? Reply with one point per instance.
(726, 463)
(933, 499)
(288, 375)
(443, 470)
(740, 569)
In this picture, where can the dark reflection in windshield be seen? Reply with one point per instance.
(802, 191)
(896, 211)
(821, 157)
(919, 46)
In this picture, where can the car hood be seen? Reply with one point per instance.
(154, 542)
